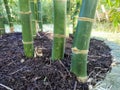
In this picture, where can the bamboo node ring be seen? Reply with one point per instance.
(1, 17)
(75, 50)
(85, 19)
(27, 42)
(29, 12)
(2, 29)
(59, 36)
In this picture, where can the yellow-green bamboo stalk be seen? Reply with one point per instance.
(9, 15)
(26, 27)
(82, 39)
(59, 29)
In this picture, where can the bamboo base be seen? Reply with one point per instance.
(82, 79)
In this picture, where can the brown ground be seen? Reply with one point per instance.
(21, 73)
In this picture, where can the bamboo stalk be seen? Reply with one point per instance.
(75, 14)
(26, 27)
(68, 17)
(2, 28)
(39, 16)
(82, 39)
(59, 29)
(9, 15)
(33, 20)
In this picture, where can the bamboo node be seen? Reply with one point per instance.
(11, 22)
(1, 17)
(39, 21)
(2, 29)
(85, 19)
(59, 36)
(27, 42)
(39, 12)
(29, 12)
(82, 79)
(75, 50)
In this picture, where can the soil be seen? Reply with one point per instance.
(20, 73)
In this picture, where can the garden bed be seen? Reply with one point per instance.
(40, 73)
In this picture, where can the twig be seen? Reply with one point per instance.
(75, 85)
(8, 88)
(65, 68)
(17, 71)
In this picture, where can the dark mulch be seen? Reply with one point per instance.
(40, 73)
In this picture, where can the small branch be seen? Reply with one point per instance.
(17, 70)
(75, 85)
(65, 68)
(8, 88)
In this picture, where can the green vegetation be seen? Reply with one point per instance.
(26, 27)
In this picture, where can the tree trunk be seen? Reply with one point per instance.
(26, 27)
(9, 15)
(59, 29)
(82, 39)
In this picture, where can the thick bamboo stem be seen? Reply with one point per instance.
(26, 27)
(82, 39)
(59, 29)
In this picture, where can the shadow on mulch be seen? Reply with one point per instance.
(40, 73)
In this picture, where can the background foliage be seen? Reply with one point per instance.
(112, 7)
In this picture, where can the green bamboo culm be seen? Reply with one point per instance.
(75, 14)
(26, 27)
(2, 28)
(34, 17)
(39, 12)
(68, 17)
(59, 29)
(82, 39)
(9, 15)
